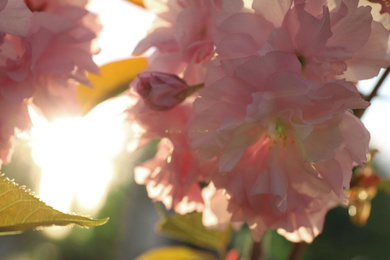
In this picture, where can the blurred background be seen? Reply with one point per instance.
(83, 165)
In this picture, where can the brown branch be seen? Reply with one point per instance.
(359, 112)
(256, 251)
(297, 251)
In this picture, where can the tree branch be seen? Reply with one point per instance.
(359, 112)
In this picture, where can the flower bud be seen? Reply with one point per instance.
(160, 91)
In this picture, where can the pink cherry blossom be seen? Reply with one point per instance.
(44, 52)
(182, 37)
(47, 63)
(61, 55)
(172, 177)
(13, 119)
(14, 17)
(330, 44)
(282, 142)
(169, 123)
(215, 213)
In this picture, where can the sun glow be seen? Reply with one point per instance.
(76, 156)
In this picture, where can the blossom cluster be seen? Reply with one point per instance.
(252, 102)
(45, 49)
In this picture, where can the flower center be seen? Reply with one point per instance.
(301, 60)
(278, 131)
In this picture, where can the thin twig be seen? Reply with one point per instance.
(297, 251)
(256, 251)
(374, 93)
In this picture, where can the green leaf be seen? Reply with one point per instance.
(20, 210)
(384, 185)
(189, 228)
(243, 241)
(137, 2)
(175, 253)
(113, 80)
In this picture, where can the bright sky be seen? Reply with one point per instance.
(376, 120)
(124, 25)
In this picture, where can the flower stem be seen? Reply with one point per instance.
(297, 251)
(189, 91)
(256, 251)
(359, 112)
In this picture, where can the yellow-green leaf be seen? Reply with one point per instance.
(114, 79)
(20, 210)
(138, 2)
(175, 253)
(189, 228)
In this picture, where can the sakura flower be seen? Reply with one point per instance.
(282, 142)
(47, 63)
(60, 54)
(162, 111)
(182, 36)
(330, 44)
(13, 119)
(44, 52)
(215, 213)
(167, 123)
(14, 17)
(172, 177)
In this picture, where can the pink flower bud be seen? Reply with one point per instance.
(160, 91)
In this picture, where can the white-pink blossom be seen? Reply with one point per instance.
(337, 43)
(182, 37)
(273, 125)
(281, 141)
(45, 50)
(173, 177)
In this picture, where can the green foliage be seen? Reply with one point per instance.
(20, 210)
(243, 241)
(189, 228)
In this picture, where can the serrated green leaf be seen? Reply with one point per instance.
(137, 2)
(189, 228)
(20, 211)
(114, 79)
(175, 253)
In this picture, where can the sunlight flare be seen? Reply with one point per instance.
(76, 157)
